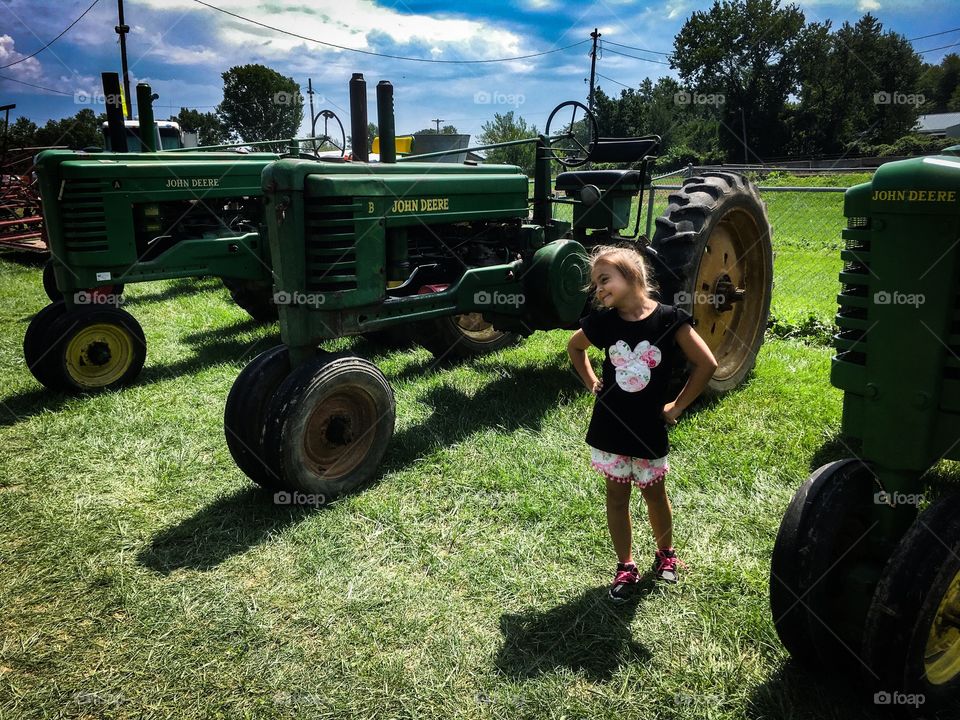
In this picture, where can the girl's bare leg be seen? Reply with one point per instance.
(618, 519)
(660, 514)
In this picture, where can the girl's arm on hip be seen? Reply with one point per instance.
(577, 350)
(704, 365)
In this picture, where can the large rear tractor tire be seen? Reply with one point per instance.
(461, 337)
(715, 261)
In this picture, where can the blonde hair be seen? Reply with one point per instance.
(629, 262)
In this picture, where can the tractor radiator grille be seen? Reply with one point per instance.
(854, 299)
(331, 244)
(84, 220)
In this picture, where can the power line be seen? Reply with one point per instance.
(40, 87)
(932, 35)
(16, 62)
(384, 55)
(942, 47)
(629, 87)
(631, 47)
(617, 52)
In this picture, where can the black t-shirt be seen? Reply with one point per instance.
(639, 357)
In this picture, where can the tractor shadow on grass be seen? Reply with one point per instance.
(518, 399)
(230, 525)
(587, 634)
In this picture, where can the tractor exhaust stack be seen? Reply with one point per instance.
(358, 118)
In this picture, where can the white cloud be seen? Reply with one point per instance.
(29, 70)
(158, 48)
(352, 23)
(868, 5)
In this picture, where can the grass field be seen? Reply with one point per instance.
(143, 576)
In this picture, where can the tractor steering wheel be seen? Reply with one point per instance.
(575, 141)
(329, 117)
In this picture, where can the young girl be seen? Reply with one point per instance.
(628, 430)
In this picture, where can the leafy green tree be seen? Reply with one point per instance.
(208, 126)
(260, 104)
(749, 51)
(505, 128)
(22, 133)
(445, 130)
(77, 132)
(940, 84)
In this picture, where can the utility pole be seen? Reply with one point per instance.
(593, 65)
(122, 31)
(5, 109)
(437, 121)
(312, 118)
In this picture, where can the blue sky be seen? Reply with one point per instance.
(181, 47)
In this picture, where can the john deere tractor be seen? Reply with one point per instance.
(864, 586)
(117, 218)
(357, 247)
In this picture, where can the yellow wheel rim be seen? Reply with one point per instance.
(99, 355)
(732, 268)
(942, 655)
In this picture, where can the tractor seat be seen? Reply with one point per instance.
(622, 180)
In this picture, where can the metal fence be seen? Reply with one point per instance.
(806, 215)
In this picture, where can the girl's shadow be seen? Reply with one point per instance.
(587, 634)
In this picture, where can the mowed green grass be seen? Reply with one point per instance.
(143, 576)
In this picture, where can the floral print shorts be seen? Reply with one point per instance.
(623, 468)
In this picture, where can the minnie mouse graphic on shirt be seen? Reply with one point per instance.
(633, 366)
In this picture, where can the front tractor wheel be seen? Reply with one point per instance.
(86, 350)
(912, 636)
(244, 413)
(715, 260)
(461, 337)
(328, 425)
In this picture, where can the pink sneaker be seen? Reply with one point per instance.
(624, 581)
(665, 565)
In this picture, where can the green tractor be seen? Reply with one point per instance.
(862, 585)
(117, 218)
(359, 247)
